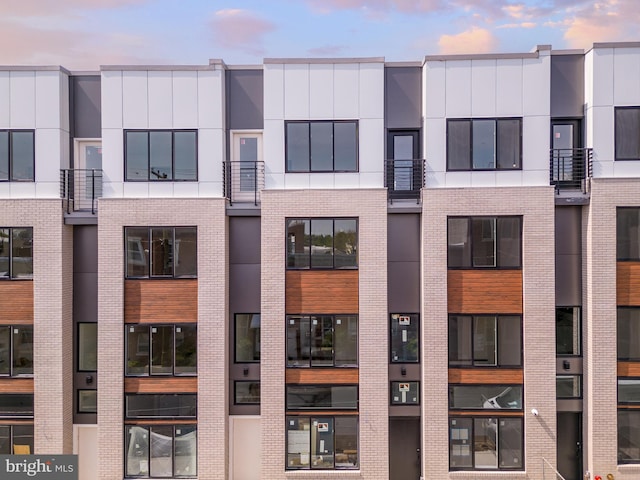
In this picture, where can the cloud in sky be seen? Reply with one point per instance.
(240, 30)
(474, 40)
(604, 20)
(405, 6)
(39, 8)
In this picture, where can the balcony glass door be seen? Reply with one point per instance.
(403, 149)
(567, 158)
(244, 168)
(87, 177)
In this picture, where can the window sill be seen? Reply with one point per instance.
(488, 473)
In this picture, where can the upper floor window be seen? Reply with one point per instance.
(16, 253)
(484, 144)
(568, 334)
(16, 350)
(628, 333)
(165, 405)
(322, 243)
(322, 397)
(161, 252)
(627, 126)
(628, 233)
(322, 146)
(484, 242)
(247, 338)
(161, 155)
(16, 405)
(161, 349)
(405, 338)
(17, 157)
(322, 340)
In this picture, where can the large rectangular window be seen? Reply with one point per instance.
(161, 252)
(16, 405)
(629, 391)
(405, 338)
(628, 436)
(322, 397)
(484, 144)
(16, 350)
(322, 146)
(322, 243)
(628, 233)
(17, 155)
(161, 451)
(628, 333)
(161, 349)
(161, 155)
(247, 338)
(485, 341)
(16, 253)
(627, 126)
(161, 405)
(486, 443)
(568, 336)
(322, 341)
(484, 242)
(481, 397)
(322, 443)
(16, 439)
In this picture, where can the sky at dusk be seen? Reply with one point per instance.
(84, 34)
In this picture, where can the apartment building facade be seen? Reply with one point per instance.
(325, 268)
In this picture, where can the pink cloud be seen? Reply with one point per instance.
(240, 29)
(37, 8)
(474, 40)
(405, 6)
(604, 20)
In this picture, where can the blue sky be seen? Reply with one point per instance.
(83, 34)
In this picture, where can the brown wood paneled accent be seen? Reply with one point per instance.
(322, 291)
(16, 421)
(486, 375)
(16, 385)
(628, 407)
(156, 301)
(628, 284)
(161, 385)
(177, 421)
(629, 369)
(484, 291)
(16, 302)
(322, 376)
(485, 413)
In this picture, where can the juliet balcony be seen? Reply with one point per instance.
(404, 179)
(243, 181)
(80, 190)
(570, 169)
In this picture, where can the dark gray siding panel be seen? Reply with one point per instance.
(85, 273)
(245, 92)
(568, 230)
(403, 97)
(403, 280)
(85, 248)
(567, 85)
(244, 288)
(85, 100)
(244, 240)
(403, 237)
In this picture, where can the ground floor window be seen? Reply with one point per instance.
(161, 451)
(628, 436)
(322, 442)
(486, 443)
(16, 439)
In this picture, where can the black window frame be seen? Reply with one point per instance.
(79, 411)
(579, 329)
(149, 326)
(9, 153)
(158, 398)
(496, 121)
(625, 258)
(173, 155)
(615, 135)
(333, 338)
(580, 386)
(319, 386)
(236, 337)
(620, 332)
(149, 261)
(235, 392)
(394, 403)
(412, 317)
(472, 363)
(505, 387)
(471, 443)
(10, 257)
(470, 221)
(30, 399)
(333, 123)
(333, 252)
(12, 436)
(12, 349)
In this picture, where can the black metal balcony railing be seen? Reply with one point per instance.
(404, 179)
(570, 168)
(80, 189)
(243, 181)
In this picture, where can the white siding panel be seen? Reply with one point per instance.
(112, 189)
(48, 153)
(603, 169)
(531, 178)
(135, 113)
(346, 180)
(509, 178)
(535, 143)
(457, 179)
(64, 100)
(509, 87)
(23, 190)
(48, 189)
(603, 133)
(185, 189)
(435, 145)
(321, 91)
(483, 88)
(210, 99)
(322, 180)
(602, 77)
(346, 100)
(435, 179)
(5, 100)
(626, 169)
(483, 179)
(371, 88)
(626, 76)
(160, 189)
(209, 155)
(296, 180)
(5, 190)
(434, 87)
(588, 79)
(371, 180)
(160, 100)
(371, 145)
(48, 102)
(185, 99)
(111, 103)
(112, 155)
(274, 181)
(23, 99)
(536, 82)
(458, 88)
(273, 92)
(136, 189)
(296, 91)
(273, 145)
(209, 189)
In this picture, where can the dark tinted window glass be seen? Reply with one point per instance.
(5, 252)
(460, 442)
(346, 442)
(5, 440)
(567, 330)
(405, 393)
(485, 341)
(315, 397)
(162, 350)
(628, 436)
(186, 354)
(160, 405)
(458, 145)
(138, 349)
(22, 253)
(160, 155)
(509, 242)
(509, 341)
(297, 147)
(628, 390)
(509, 144)
(474, 397)
(298, 243)
(345, 243)
(346, 340)
(161, 252)
(628, 333)
(510, 443)
(460, 340)
(22, 156)
(186, 252)
(627, 133)
(459, 242)
(137, 246)
(88, 347)
(12, 405)
(321, 146)
(137, 154)
(405, 338)
(298, 341)
(22, 436)
(23, 350)
(87, 401)
(5, 350)
(345, 146)
(247, 393)
(484, 242)
(628, 233)
(484, 144)
(321, 243)
(247, 336)
(569, 386)
(185, 155)
(321, 341)
(4, 155)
